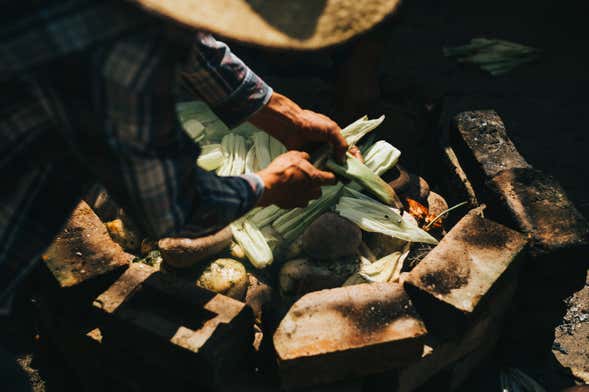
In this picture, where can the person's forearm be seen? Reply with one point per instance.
(216, 75)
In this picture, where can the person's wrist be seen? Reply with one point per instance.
(266, 180)
(280, 112)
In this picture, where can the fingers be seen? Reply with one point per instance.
(318, 177)
(337, 140)
(355, 151)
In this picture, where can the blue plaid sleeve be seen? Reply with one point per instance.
(150, 166)
(232, 90)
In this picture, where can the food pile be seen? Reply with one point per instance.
(352, 234)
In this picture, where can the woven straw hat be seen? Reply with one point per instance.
(280, 24)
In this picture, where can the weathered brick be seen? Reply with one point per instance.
(83, 250)
(517, 194)
(458, 354)
(181, 327)
(482, 144)
(449, 284)
(348, 331)
(538, 206)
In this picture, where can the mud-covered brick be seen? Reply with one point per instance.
(483, 147)
(462, 272)
(345, 332)
(83, 250)
(190, 332)
(537, 205)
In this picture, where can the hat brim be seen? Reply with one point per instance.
(278, 24)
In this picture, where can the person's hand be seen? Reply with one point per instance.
(297, 128)
(292, 181)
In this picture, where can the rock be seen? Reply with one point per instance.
(330, 236)
(461, 272)
(382, 244)
(408, 185)
(83, 250)
(182, 328)
(301, 276)
(346, 332)
(436, 204)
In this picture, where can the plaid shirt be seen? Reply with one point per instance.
(88, 96)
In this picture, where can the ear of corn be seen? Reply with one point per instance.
(356, 171)
(373, 216)
(263, 216)
(211, 157)
(234, 155)
(253, 243)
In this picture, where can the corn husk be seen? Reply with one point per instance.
(372, 216)
(253, 242)
(211, 157)
(356, 171)
(356, 130)
(381, 157)
(292, 224)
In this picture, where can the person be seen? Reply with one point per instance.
(88, 95)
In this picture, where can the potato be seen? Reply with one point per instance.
(330, 236)
(225, 276)
(301, 276)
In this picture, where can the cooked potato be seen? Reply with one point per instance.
(330, 236)
(225, 276)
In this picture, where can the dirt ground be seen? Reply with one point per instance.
(544, 106)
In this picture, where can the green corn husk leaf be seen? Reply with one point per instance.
(211, 157)
(381, 157)
(263, 216)
(253, 243)
(373, 216)
(356, 130)
(292, 224)
(356, 171)
(494, 56)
